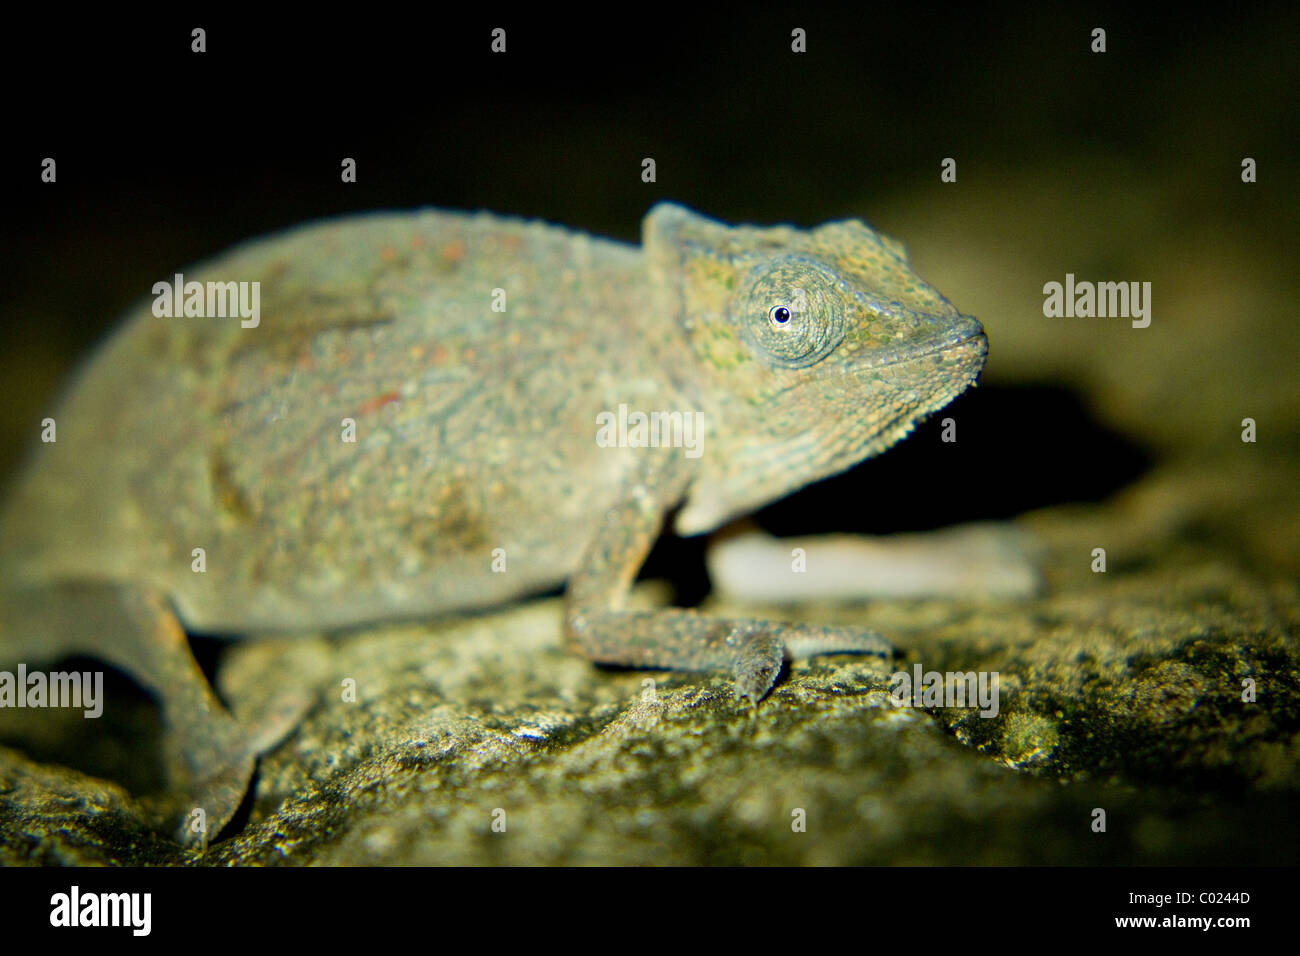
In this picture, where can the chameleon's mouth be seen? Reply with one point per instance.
(959, 344)
(957, 330)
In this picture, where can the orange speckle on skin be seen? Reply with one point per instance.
(416, 353)
(388, 253)
(454, 251)
(439, 354)
(378, 402)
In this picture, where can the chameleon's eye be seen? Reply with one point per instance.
(807, 323)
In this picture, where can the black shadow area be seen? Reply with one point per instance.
(1017, 448)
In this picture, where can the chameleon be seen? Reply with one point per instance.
(421, 420)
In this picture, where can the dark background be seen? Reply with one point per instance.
(166, 157)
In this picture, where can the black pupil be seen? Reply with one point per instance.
(781, 314)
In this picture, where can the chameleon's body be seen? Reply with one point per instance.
(475, 475)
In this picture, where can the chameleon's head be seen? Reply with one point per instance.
(807, 350)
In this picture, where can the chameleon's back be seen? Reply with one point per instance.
(361, 452)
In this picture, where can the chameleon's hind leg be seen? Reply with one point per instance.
(208, 757)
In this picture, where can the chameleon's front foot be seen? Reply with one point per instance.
(761, 654)
(751, 651)
(598, 625)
